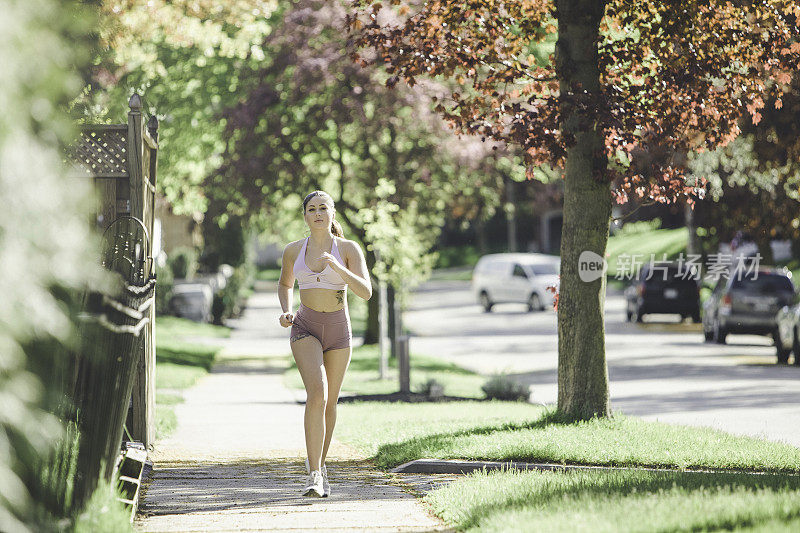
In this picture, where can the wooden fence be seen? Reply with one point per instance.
(121, 161)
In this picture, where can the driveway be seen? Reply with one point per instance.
(659, 370)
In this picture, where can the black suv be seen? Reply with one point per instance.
(747, 302)
(663, 287)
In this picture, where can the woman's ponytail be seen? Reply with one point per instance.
(336, 229)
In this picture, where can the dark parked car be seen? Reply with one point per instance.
(747, 302)
(664, 287)
(787, 339)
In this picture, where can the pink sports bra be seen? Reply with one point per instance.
(327, 279)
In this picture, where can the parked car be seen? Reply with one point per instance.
(747, 302)
(664, 287)
(515, 277)
(787, 338)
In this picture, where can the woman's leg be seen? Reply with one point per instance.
(336, 363)
(307, 353)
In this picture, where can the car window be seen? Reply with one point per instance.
(762, 283)
(519, 272)
(489, 266)
(660, 274)
(500, 267)
(544, 269)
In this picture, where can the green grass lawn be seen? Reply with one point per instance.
(619, 502)
(179, 364)
(504, 431)
(659, 242)
(362, 375)
(634, 500)
(169, 327)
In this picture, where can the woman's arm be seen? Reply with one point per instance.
(286, 284)
(357, 276)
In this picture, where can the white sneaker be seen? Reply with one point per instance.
(326, 486)
(314, 485)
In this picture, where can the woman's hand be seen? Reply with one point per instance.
(330, 259)
(286, 319)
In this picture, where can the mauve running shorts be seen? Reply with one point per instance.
(332, 329)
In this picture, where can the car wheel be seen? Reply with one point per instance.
(486, 303)
(718, 333)
(780, 351)
(796, 347)
(535, 303)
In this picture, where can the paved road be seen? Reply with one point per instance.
(659, 370)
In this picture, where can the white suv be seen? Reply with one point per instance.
(519, 278)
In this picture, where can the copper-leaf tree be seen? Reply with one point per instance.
(629, 88)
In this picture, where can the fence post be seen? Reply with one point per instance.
(403, 363)
(150, 342)
(142, 397)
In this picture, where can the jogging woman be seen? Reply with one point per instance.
(324, 264)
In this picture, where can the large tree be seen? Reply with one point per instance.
(632, 86)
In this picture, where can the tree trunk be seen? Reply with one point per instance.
(582, 371)
(693, 246)
(391, 304)
(372, 332)
(511, 215)
(480, 234)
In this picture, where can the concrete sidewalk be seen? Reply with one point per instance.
(235, 462)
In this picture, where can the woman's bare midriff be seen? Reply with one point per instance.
(323, 300)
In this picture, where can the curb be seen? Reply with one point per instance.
(449, 466)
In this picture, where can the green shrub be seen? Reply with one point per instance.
(432, 389)
(456, 256)
(224, 245)
(502, 387)
(164, 284)
(218, 308)
(46, 249)
(183, 262)
(230, 301)
(642, 226)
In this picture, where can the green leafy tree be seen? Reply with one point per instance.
(754, 182)
(632, 86)
(187, 59)
(314, 120)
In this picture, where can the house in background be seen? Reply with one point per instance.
(172, 231)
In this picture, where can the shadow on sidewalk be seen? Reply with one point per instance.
(202, 487)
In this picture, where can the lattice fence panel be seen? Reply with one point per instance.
(101, 152)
